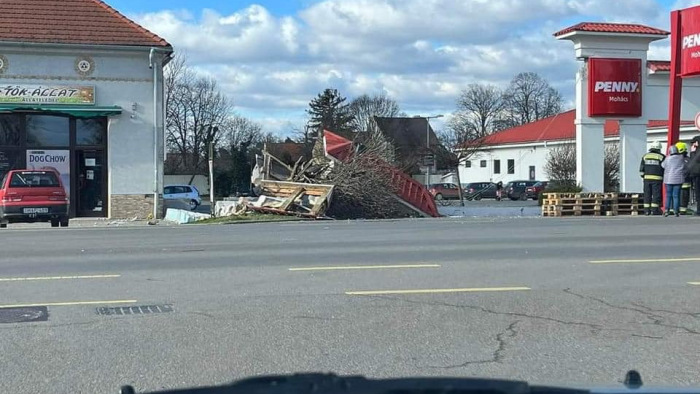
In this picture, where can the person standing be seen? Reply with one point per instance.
(685, 187)
(499, 191)
(653, 174)
(693, 169)
(674, 174)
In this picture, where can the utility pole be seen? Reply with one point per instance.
(429, 162)
(211, 178)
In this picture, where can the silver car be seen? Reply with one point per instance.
(185, 193)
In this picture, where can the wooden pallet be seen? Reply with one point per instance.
(595, 204)
(571, 213)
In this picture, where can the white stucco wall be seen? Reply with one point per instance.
(121, 77)
(656, 105)
(527, 155)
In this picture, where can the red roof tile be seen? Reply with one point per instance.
(90, 22)
(659, 65)
(557, 128)
(623, 28)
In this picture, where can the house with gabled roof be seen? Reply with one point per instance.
(81, 90)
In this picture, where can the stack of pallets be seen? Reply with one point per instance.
(572, 204)
(628, 204)
(591, 204)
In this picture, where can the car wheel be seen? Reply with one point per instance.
(438, 196)
(193, 205)
(54, 222)
(64, 222)
(477, 197)
(3, 225)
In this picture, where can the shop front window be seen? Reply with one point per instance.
(9, 130)
(47, 130)
(10, 159)
(90, 132)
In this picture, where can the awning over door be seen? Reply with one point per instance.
(78, 111)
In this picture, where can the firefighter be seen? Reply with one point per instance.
(653, 175)
(693, 168)
(687, 182)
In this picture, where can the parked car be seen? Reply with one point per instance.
(534, 191)
(479, 190)
(186, 193)
(33, 196)
(444, 191)
(517, 190)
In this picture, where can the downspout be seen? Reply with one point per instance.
(153, 66)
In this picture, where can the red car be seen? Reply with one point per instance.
(534, 191)
(33, 196)
(444, 191)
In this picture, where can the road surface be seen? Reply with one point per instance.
(549, 300)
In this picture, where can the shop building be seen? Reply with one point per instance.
(81, 90)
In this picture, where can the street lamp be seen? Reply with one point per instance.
(427, 141)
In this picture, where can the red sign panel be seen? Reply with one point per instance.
(614, 87)
(690, 41)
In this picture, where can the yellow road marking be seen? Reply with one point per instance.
(59, 278)
(69, 303)
(364, 267)
(434, 291)
(679, 260)
(694, 283)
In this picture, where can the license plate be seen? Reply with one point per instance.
(35, 210)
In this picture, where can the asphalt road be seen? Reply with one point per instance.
(548, 300)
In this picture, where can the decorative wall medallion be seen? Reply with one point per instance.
(84, 65)
(4, 64)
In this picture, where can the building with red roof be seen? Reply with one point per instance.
(520, 153)
(82, 83)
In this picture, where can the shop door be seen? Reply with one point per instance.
(91, 192)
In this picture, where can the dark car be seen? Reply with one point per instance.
(479, 190)
(534, 191)
(444, 191)
(517, 190)
(33, 196)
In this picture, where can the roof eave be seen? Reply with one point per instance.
(119, 47)
(571, 34)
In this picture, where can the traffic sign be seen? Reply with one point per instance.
(697, 120)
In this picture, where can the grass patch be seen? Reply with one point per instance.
(257, 217)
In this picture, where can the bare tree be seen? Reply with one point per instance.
(364, 107)
(561, 164)
(478, 108)
(237, 131)
(611, 167)
(528, 98)
(458, 148)
(196, 111)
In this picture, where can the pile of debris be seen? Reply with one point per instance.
(344, 182)
(281, 198)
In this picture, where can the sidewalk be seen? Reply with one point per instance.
(91, 223)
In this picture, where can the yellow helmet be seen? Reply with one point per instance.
(682, 147)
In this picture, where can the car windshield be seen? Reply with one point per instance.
(33, 179)
(329, 140)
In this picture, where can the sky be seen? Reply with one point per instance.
(271, 57)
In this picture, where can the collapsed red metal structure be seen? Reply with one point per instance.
(408, 189)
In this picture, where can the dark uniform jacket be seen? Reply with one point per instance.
(650, 168)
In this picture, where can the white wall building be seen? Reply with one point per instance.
(520, 153)
(85, 85)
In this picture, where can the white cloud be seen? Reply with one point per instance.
(421, 52)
